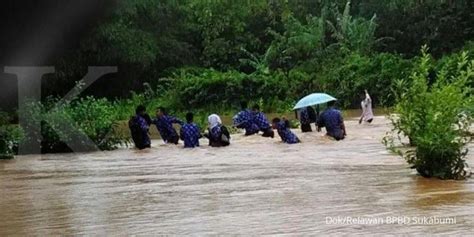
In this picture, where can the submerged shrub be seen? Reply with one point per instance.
(435, 115)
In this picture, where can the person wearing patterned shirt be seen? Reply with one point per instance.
(190, 132)
(218, 134)
(283, 129)
(262, 122)
(139, 127)
(164, 124)
(244, 119)
(332, 119)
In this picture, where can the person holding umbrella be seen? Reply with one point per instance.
(307, 114)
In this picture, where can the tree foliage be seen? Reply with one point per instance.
(435, 115)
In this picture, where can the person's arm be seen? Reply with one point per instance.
(207, 134)
(238, 121)
(148, 119)
(181, 134)
(176, 120)
(320, 123)
(343, 126)
(144, 125)
(198, 132)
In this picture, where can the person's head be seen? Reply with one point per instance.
(331, 103)
(275, 122)
(243, 105)
(160, 111)
(189, 117)
(214, 120)
(140, 110)
(256, 108)
(362, 95)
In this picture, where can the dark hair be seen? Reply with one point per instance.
(189, 117)
(276, 120)
(140, 109)
(162, 109)
(243, 104)
(256, 107)
(331, 103)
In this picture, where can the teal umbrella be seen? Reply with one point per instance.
(314, 99)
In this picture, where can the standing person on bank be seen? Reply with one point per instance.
(366, 104)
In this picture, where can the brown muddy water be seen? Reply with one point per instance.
(255, 186)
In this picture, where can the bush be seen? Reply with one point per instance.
(436, 117)
(346, 76)
(96, 118)
(218, 90)
(10, 136)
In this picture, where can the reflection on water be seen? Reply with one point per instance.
(255, 186)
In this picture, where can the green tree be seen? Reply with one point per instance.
(436, 118)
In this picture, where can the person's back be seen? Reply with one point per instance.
(260, 119)
(190, 132)
(332, 120)
(139, 126)
(218, 134)
(366, 105)
(286, 135)
(244, 119)
(164, 124)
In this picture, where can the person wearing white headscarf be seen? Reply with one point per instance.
(218, 134)
(214, 120)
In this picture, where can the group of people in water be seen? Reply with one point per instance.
(253, 121)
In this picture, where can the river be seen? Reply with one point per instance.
(255, 186)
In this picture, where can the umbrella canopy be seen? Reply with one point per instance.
(314, 99)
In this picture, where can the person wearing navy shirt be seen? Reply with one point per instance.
(190, 132)
(262, 122)
(164, 124)
(332, 119)
(244, 119)
(139, 126)
(283, 128)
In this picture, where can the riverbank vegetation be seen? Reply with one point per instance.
(435, 113)
(207, 56)
(10, 136)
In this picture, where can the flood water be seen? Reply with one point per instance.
(255, 186)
